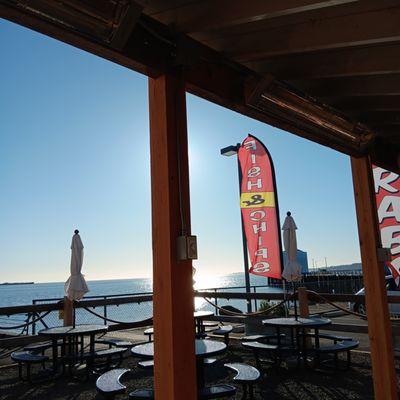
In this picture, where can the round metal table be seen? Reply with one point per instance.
(70, 336)
(203, 349)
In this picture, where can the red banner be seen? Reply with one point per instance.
(258, 202)
(387, 192)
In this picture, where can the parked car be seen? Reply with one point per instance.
(392, 290)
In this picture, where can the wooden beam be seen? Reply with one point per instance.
(376, 85)
(126, 26)
(369, 60)
(362, 104)
(358, 7)
(211, 14)
(355, 30)
(153, 49)
(175, 368)
(379, 326)
(375, 118)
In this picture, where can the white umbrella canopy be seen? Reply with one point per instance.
(76, 287)
(292, 269)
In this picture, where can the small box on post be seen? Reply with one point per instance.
(187, 247)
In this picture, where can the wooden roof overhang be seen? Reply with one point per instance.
(328, 71)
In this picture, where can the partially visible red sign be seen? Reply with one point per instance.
(258, 202)
(387, 192)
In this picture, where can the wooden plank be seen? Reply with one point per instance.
(355, 30)
(375, 85)
(174, 370)
(379, 327)
(359, 104)
(376, 118)
(369, 60)
(209, 14)
(152, 50)
(358, 7)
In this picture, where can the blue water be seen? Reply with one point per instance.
(13, 295)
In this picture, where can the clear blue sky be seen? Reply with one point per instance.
(74, 153)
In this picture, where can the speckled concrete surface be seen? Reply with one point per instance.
(287, 382)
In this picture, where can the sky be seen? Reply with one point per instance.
(74, 153)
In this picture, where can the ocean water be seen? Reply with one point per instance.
(12, 295)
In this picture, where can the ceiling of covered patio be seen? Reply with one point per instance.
(328, 71)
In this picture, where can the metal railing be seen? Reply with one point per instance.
(133, 307)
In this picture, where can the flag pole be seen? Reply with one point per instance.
(244, 240)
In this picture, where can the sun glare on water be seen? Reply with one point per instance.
(205, 282)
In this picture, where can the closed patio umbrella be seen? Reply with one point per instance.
(76, 287)
(292, 269)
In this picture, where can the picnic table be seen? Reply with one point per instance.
(298, 329)
(72, 338)
(203, 349)
(199, 317)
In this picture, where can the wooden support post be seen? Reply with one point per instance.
(379, 326)
(304, 311)
(68, 312)
(173, 301)
(303, 302)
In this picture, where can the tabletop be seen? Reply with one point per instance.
(204, 348)
(60, 331)
(297, 323)
(202, 314)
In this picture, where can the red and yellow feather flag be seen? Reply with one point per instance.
(259, 206)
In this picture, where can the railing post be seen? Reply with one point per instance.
(216, 303)
(33, 323)
(303, 302)
(255, 300)
(379, 325)
(105, 311)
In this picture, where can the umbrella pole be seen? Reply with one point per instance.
(285, 297)
(73, 313)
(295, 302)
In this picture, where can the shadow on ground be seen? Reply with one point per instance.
(287, 382)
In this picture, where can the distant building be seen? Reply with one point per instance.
(301, 259)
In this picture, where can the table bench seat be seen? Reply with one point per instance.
(336, 348)
(142, 394)
(262, 338)
(335, 338)
(109, 385)
(216, 392)
(27, 358)
(115, 342)
(149, 332)
(147, 364)
(38, 347)
(224, 331)
(339, 347)
(246, 375)
(262, 348)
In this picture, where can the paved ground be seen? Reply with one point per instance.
(287, 382)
